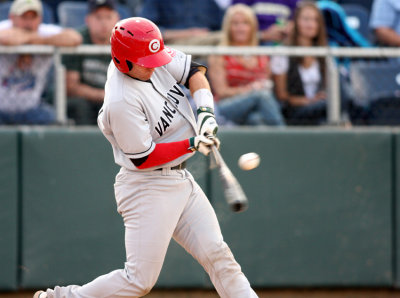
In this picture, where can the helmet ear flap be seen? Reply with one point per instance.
(123, 67)
(129, 64)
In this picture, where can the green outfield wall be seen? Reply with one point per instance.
(9, 199)
(396, 207)
(323, 210)
(320, 208)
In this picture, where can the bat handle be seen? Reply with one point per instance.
(217, 155)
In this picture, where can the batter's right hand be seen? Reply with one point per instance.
(201, 143)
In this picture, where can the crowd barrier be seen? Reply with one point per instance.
(323, 211)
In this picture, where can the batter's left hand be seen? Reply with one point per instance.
(206, 123)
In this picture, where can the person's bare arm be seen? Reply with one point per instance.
(283, 95)
(276, 32)
(387, 36)
(66, 38)
(76, 88)
(15, 36)
(198, 81)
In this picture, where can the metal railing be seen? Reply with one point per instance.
(334, 115)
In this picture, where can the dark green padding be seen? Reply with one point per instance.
(8, 209)
(320, 207)
(396, 205)
(71, 230)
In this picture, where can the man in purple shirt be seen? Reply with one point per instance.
(274, 17)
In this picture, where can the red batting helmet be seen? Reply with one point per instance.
(139, 41)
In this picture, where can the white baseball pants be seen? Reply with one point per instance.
(156, 206)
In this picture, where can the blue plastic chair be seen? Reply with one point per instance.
(72, 13)
(48, 14)
(357, 17)
(367, 4)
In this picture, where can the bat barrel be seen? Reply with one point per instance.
(234, 194)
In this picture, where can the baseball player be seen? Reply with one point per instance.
(149, 122)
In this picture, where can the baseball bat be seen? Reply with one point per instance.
(234, 194)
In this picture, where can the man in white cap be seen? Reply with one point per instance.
(23, 77)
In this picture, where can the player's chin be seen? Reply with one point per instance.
(148, 75)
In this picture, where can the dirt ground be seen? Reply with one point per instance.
(277, 293)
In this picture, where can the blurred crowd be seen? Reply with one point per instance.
(248, 89)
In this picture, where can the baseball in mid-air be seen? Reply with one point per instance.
(249, 161)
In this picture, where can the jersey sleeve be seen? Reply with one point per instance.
(179, 66)
(130, 128)
(383, 14)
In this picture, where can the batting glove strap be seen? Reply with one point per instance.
(205, 109)
(206, 123)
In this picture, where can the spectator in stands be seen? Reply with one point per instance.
(185, 21)
(385, 21)
(242, 84)
(274, 18)
(87, 74)
(300, 81)
(23, 77)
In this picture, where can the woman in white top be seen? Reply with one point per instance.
(300, 81)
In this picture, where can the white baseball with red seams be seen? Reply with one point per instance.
(249, 161)
(157, 205)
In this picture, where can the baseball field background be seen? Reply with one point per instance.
(323, 213)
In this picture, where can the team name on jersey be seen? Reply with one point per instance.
(175, 94)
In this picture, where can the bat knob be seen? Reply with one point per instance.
(238, 207)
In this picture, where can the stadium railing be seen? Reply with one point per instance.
(330, 53)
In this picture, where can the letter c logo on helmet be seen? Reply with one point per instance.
(154, 45)
(137, 41)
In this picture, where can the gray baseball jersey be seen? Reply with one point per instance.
(146, 113)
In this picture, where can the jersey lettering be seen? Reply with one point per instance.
(167, 114)
(173, 111)
(176, 92)
(163, 124)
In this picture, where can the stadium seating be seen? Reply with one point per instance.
(338, 30)
(72, 13)
(376, 85)
(367, 4)
(48, 15)
(357, 17)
